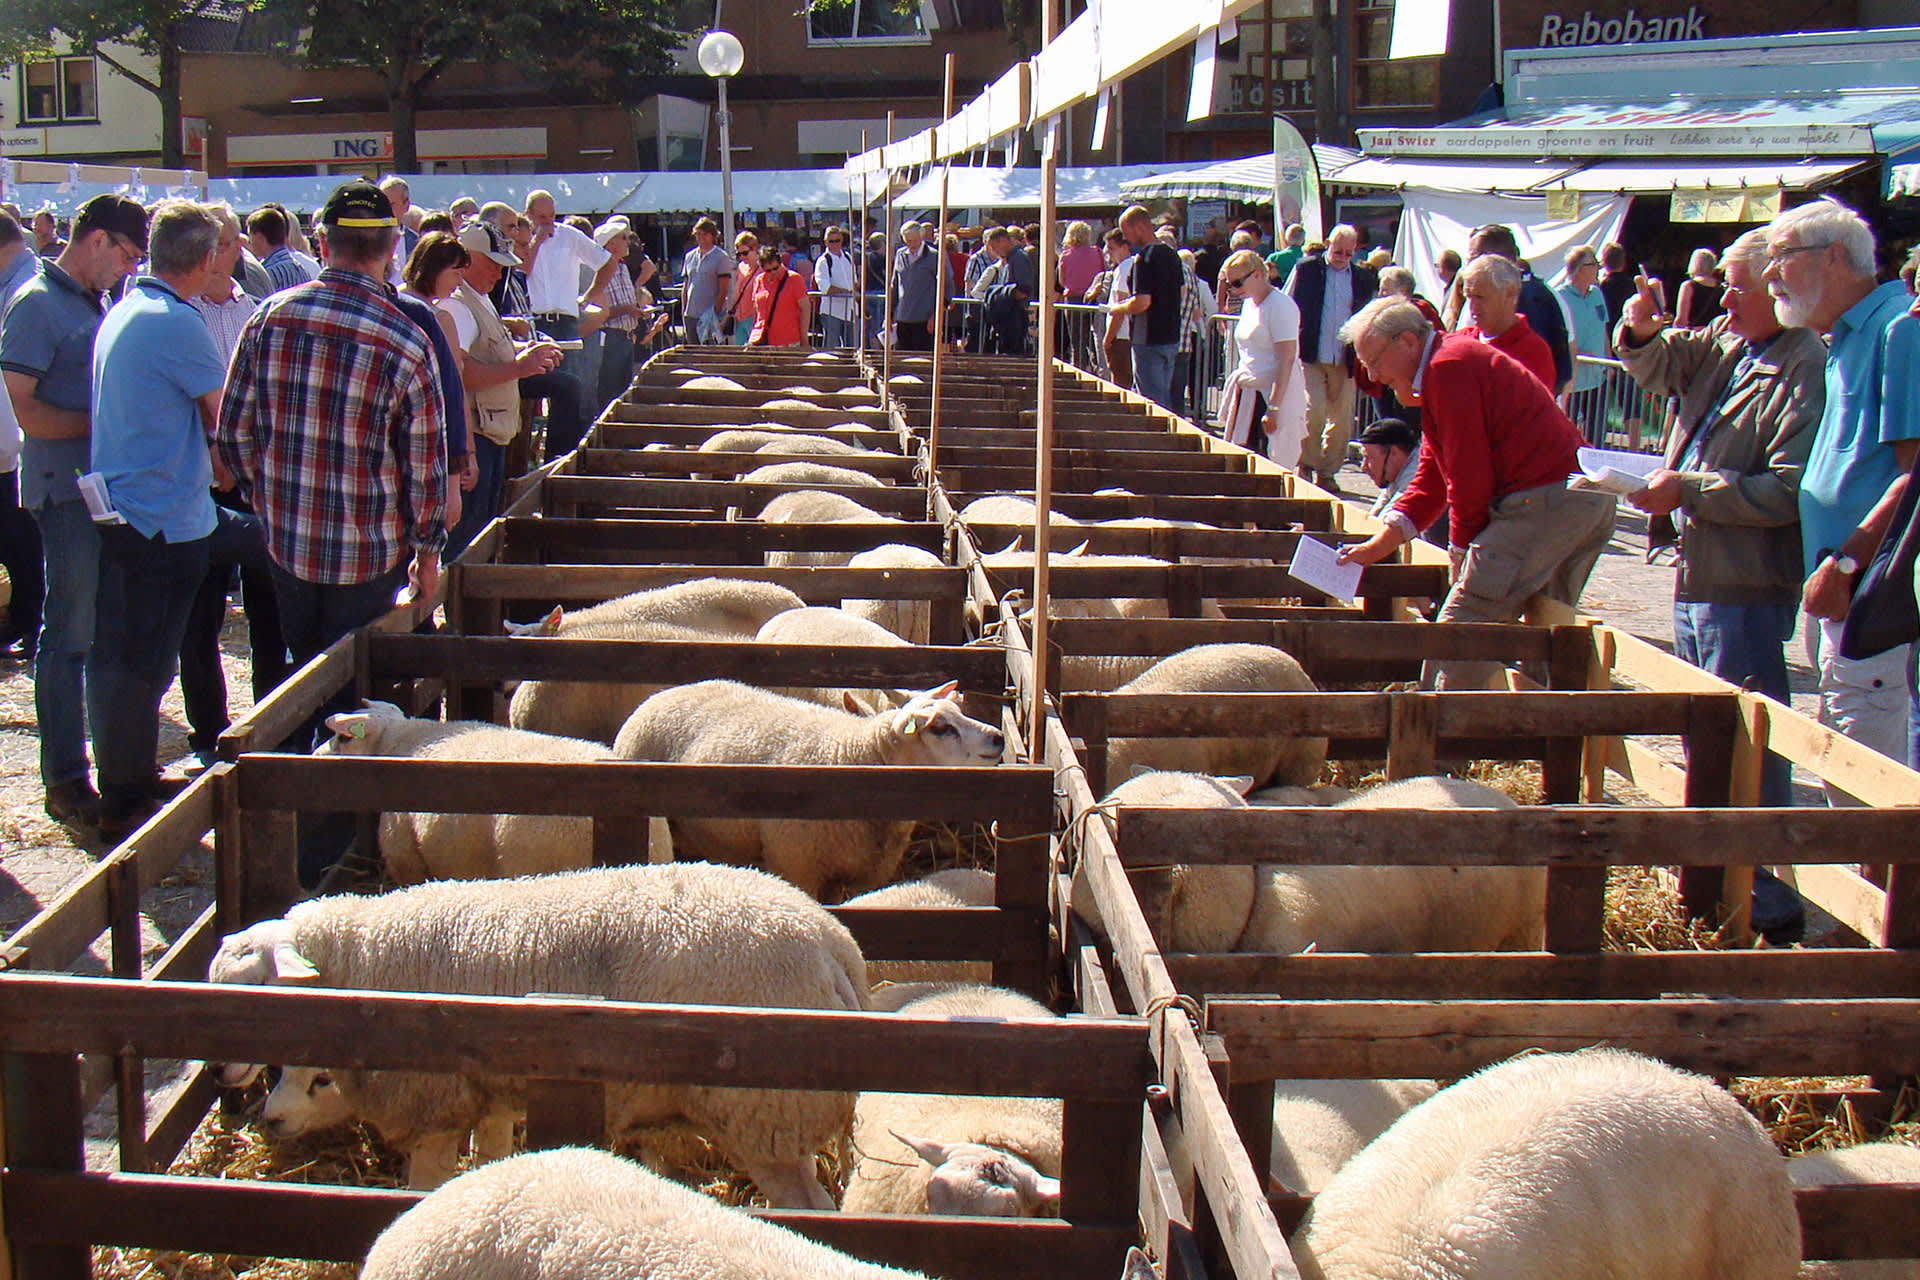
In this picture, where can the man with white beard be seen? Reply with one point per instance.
(1820, 272)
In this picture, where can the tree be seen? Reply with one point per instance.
(29, 29)
(609, 45)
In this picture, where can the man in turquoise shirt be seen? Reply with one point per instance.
(156, 390)
(1821, 275)
(1586, 309)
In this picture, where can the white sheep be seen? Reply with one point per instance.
(733, 605)
(1595, 1165)
(1865, 1164)
(580, 1214)
(1319, 1125)
(1402, 908)
(466, 846)
(683, 933)
(1001, 508)
(816, 506)
(709, 382)
(721, 722)
(783, 404)
(973, 1156)
(953, 887)
(1209, 904)
(811, 473)
(828, 626)
(911, 620)
(1224, 668)
(596, 709)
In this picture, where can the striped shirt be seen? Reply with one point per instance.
(226, 320)
(284, 269)
(334, 424)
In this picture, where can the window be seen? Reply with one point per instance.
(60, 91)
(896, 21)
(1379, 82)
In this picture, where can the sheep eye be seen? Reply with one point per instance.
(320, 1081)
(941, 727)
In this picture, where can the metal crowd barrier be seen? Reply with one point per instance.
(1615, 413)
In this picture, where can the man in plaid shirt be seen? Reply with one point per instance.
(334, 423)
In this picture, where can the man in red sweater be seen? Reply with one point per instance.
(1496, 451)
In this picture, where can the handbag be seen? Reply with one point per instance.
(760, 339)
(1883, 614)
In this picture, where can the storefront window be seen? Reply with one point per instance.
(1269, 66)
(79, 100)
(835, 20)
(40, 92)
(1378, 82)
(59, 91)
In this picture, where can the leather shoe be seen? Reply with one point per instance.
(74, 803)
(115, 828)
(167, 786)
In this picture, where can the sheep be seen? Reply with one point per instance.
(1400, 908)
(1224, 668)
(1003, 508)
(911, 620)
(710, 382)
(677, 934)
(1209, 905)
(730, 605)
(954, 887)
(721, 722)
(1013, 558)
(979, 1157)
(592, 709)
(1868, 1163)
(466, 846)
(906, 380)
(829, 626)
(1583, 1166)
(753, 439)
(1319, 1125)
(810, 473)
(579, 1214)
(783, 404)
(816, 506)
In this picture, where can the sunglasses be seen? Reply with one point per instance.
(1240, 282)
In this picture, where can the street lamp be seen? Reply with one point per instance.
(721, 57)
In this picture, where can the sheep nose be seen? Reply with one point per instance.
(996, 740)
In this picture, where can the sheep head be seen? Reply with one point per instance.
(976, 1181)
(261, 955)
(357, 733)
(931, 729)
(305, 1100)
(547, 626)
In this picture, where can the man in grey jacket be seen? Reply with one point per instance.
(1751, 394)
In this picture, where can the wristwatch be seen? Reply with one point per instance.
(1844, 563)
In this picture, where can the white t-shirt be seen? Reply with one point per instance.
(465, 327)
(1120, 291)
(553, 283)
(1275, 319)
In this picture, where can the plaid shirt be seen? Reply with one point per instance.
(1193, 308)
(620, 294)
(334, 424)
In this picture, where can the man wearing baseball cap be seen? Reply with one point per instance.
(46, 355)
(335, 424)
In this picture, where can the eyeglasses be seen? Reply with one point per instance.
(1774, 256)
(130, 253)
(1241, 282)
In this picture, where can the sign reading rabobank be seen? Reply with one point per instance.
(1567, 30)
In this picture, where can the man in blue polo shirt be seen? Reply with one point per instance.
(46, 355)
(1821, 275)
(156, 392)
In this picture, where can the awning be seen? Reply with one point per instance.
(1648, 177)
(572, 192)
(1485, 177)
(771, 190)
(1085, 187)
(1249, 179)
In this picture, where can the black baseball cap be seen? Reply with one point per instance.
(358, 204)
(116, 214)
(1388, 432)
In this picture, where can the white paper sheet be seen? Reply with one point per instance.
(1318, 566)
(1614, 470)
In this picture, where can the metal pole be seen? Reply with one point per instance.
(726, 166)
(861, 338)
(943, 272)
(1043, 420)
(886, 311)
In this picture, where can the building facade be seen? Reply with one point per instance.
(77, 106)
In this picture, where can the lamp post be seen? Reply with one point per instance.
(721, 57)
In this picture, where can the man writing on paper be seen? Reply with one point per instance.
(1496, 451)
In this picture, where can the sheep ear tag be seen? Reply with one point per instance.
(290, 968)
(349, 724)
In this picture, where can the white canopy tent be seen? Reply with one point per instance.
(1248, 179)
(1653, 177)
(1077, 188)
(1484, 177)
(781, 190)
(778, 190)
(1436, 220)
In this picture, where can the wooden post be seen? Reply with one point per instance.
(1412, 735)
(129, 1069)
(1023, 865)
(1576, 896)
(566, 1113)
(1043, 430)
(1713, 724)
(940, 297)
(44, 1130)
(886, 303)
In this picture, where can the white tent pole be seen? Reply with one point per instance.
(860, 274)
(941, 272)
(1043, 420)
(886, 332)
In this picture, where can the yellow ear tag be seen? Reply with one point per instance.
(359, 729)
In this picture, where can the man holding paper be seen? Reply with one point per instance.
(1496, 451)
(1751, 394)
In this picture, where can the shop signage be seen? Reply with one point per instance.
(23, 142)
(1622, 140)
(1566, 31)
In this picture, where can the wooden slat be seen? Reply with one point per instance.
(715, 495)
(1838, 973)
(1329, 640)
(292, 704)
(570, 583)
(489, 658)
(929, 933)
(1458, 715)
(746, 1048)
(1606, 835)
(739, 539)
(388, 784)
(1380, 1039)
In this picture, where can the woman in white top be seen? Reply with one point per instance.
(1266, 385)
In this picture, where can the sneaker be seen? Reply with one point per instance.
(73, 804)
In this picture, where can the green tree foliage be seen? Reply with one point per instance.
(34, 28)
(609, 45)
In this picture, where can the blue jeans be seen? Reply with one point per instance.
(574, 365)
(70, 546)
(835, 332)
(1743, 645)
(566, 408)
(1153, 371)
(616, 366)
(238, 541)
(145, 593)
(590, 373)
(483, 501)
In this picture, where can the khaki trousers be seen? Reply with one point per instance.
(1329, 418)
(1543, 540)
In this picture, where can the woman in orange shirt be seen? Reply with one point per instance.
(779, 304)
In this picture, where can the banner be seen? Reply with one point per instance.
(1434, 220)
(1296, 183)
